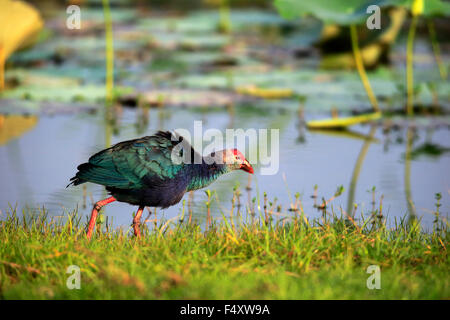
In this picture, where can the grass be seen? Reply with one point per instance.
(240, 259)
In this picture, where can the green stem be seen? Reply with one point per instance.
(109, 53)
(436, 50)
(109, 72)
(409, 67)
(225, 21)
(2, 69)
(360, 66)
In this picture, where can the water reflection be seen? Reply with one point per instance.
(36, 167)
(13, 126)
(409, 200)
(357, 170)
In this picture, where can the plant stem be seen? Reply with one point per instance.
(109, 53)
(436, 50)
(2, 69)
(360, 66)
(225, 21)
(409, 67)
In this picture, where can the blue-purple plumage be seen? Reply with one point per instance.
(141, 171)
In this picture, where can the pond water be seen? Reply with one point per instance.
(183, 59)
(36, 167)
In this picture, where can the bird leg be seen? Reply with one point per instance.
(97, 206)
(137, 222)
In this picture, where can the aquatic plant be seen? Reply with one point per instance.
(19, 24)
(429, 9)
(109, 52)
(342, 13)
(353, 13)
(224, 20)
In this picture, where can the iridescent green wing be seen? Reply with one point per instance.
(146, 160)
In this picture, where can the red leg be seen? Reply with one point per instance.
(137, 222)
(97, 206)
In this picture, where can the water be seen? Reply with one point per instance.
(37, 166)
(158, 53)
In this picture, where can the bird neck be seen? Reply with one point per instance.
(204, 174)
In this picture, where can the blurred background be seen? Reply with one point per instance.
(312, 70)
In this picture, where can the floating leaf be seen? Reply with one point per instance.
(187, 98)
(269, 93)
(340, 12)
(346, 12)
(420, 7)
(343, 122)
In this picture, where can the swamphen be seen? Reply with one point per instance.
(141, 172)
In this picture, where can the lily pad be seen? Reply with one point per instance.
(41, 87)
(346, 12)
(343, 122)
(188, 98)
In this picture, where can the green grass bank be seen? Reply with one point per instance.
(232, 259)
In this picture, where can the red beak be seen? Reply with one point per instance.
(246, 167)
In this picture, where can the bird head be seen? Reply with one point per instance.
(235, 160)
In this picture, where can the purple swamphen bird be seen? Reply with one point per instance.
(142, 172)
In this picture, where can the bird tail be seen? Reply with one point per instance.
(76, 180)
(103, 175)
